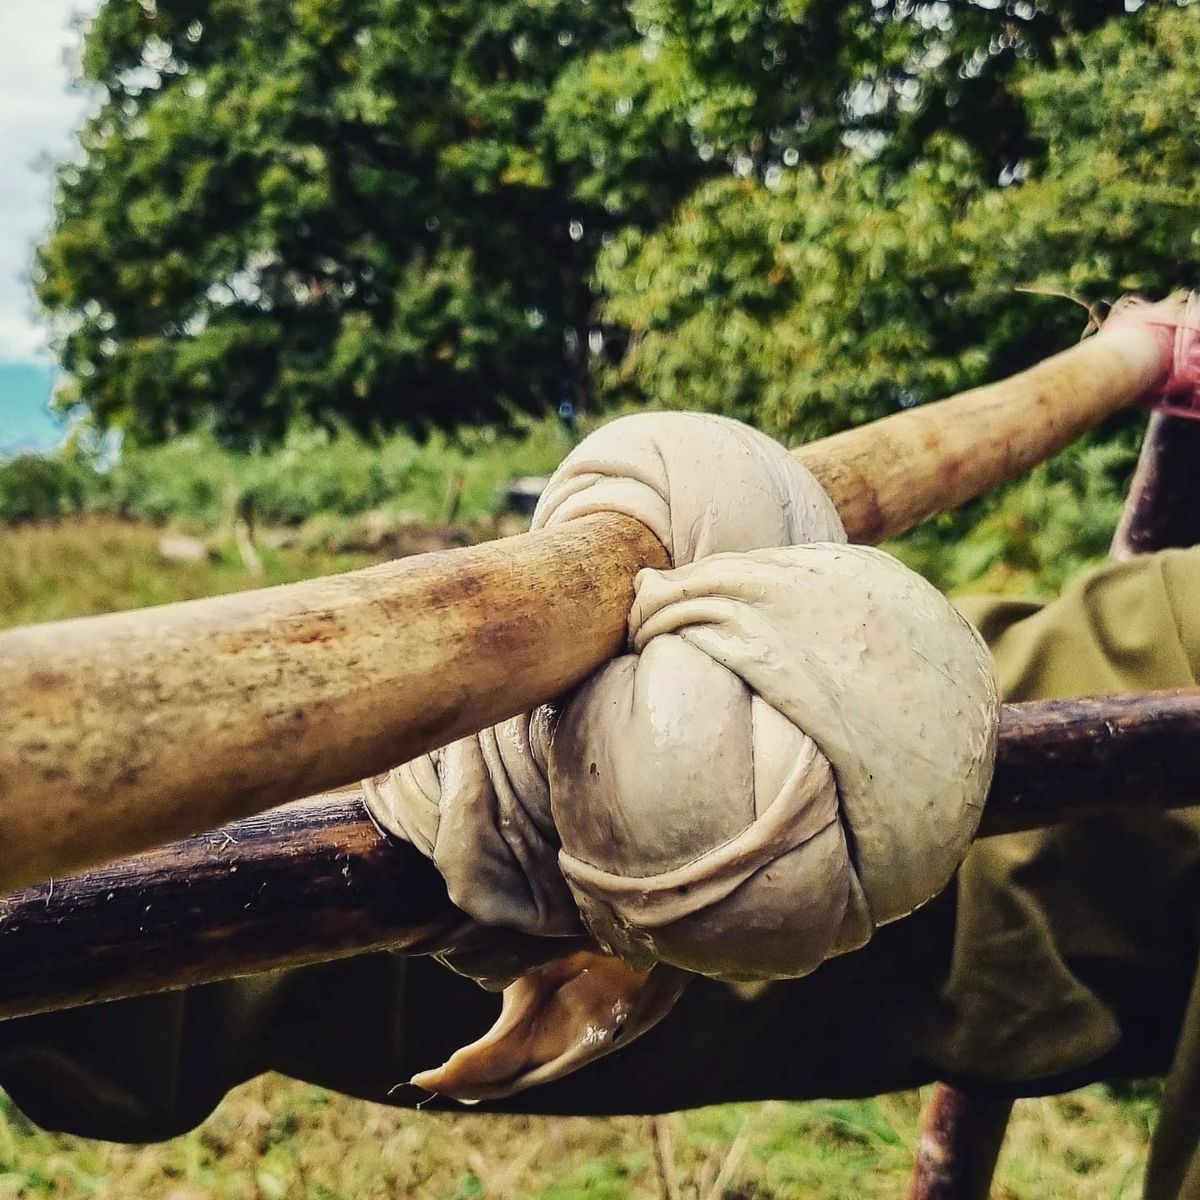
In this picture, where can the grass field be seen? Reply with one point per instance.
(275, 1139)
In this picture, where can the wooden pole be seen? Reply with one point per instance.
(1065, 759)
(124, 731)
(892, 474)
(308, 882)
(960, 1140)
(317, 880)
(1163, 507)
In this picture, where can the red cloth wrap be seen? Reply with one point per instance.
(1178, 321)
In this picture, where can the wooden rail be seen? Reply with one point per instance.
(317, 880)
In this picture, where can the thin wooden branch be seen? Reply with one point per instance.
(317, 880)
(124, 731)
(1065, 759)
(309, 882)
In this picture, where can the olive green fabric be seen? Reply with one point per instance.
(1056, 958)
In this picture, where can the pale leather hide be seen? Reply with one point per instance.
(794, 751)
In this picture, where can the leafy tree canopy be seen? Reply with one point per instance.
(389, 212)
(832, 293)
(319, 208)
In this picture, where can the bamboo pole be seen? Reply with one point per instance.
(125, 731)
(317, 880)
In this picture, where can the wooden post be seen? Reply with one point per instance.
(1163, 507)
(960, 1140)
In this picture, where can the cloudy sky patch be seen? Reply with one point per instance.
(38, 114)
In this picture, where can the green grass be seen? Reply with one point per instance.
(51, 571)
(273, 1138)
(194, 483)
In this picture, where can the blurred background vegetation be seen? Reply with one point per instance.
(325, 275)
(337, 255)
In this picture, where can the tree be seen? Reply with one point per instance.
(387, 212)
(331, 210)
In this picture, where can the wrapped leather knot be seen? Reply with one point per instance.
(480, 808)
(795, 750)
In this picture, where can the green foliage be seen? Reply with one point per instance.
(1111, 203)
(386, 212)
(365, 215)
(321, 211)
(819, 297)
(35, 487)
(195, 482)
(807, 305)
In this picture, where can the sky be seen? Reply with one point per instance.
(38, 114)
